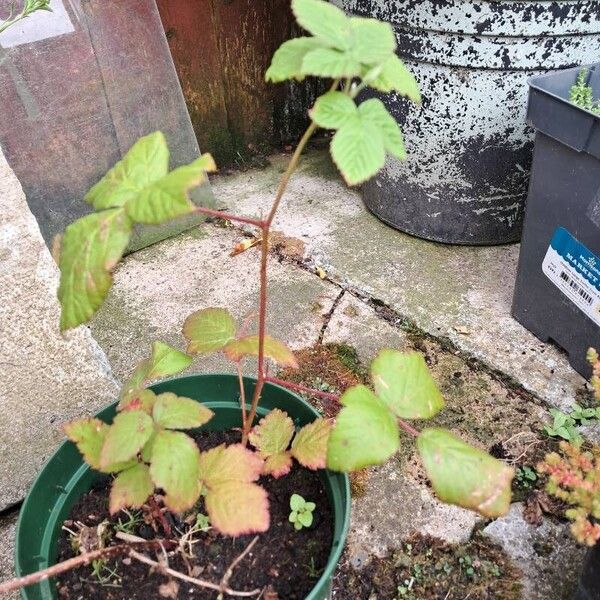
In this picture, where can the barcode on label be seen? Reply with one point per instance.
(576, 287)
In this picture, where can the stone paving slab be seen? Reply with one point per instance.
(46, 378)
(155, 289)
(459, 293)
(8, 524)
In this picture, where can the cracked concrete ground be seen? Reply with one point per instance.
(381, 288)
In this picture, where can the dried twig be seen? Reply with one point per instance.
(72, 563)
(199, 582)
(229, 572)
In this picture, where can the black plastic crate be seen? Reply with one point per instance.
(557, 293)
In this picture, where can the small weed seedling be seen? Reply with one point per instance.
(581, 94)
(525, 478)
(301, 514)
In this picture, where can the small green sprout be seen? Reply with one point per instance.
(302, 512)
(525, 477)
(202, 522)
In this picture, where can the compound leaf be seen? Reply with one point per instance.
(177, 412)
(91, 248)
(309, 447)
(238, 508)
(88, 435)
(145, 162)
(167, 197)
(131, 488)
(126, 436)
(365, 432)
(403, 381)
(374, 111)
(248, 346)
(463, 475)
(287, 60)
(332, 110)
(357, 150)
(209, 330)
(175, 467)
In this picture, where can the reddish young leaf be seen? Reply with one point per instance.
(125, 437)
(138, 399)
(309, 447)
(278, 465)
(131, 488)
(237, 508)
(248, 346)
(177, 412)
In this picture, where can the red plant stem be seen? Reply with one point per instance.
(302, 388)
(73, 563)
(242, 391)
(228, 216)
(408, 428)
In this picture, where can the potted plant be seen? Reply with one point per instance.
(557, 291)
(574, 477)
(195, 461)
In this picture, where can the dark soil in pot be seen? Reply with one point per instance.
(288, 561)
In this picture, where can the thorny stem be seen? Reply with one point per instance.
(264, 255)
(242, 391)
(408, 428)
(73, 563)
(302, 388)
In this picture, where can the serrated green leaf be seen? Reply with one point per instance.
(137, 399)
(374, 111)
(372, 41)
(403, 382)
(175, 467)
(248, 346)
(365, 432)
(166, 361)
(324, 21)
(238, 508)
(395, 77)
(145, 162)
(357, 150)
(287, 60)
(209, 330)
(131, 488)
(463, 475)
(309, 447)
(89, 436)
(126, 436)
(332, 110)
(91, 248)
(329, 62)
(277, 465)
(177, 412)
(167, 198)
(273, 433)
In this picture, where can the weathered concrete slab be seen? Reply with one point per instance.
(46, 378)
(157, 288)
(7, 547)
(548, 555)
(459, 293)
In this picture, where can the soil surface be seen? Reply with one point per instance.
(283, 564)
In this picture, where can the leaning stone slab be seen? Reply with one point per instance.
(548, 555)
(45, 378)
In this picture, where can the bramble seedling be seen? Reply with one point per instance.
(301, 514)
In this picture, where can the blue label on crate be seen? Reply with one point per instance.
(575, 271)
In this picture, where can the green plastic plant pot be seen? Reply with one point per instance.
(65, 477)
